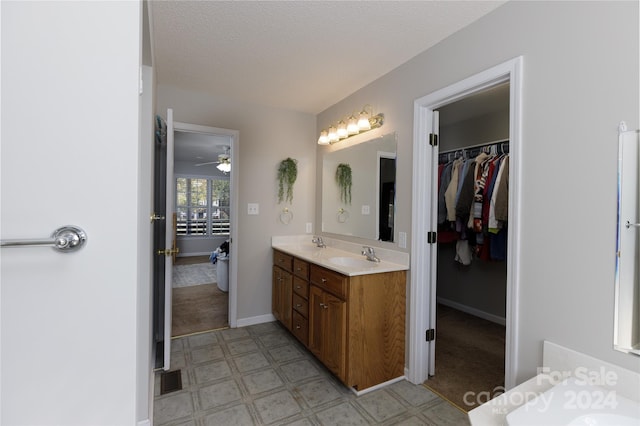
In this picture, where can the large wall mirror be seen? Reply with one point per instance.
(369, 211)
(627, 285)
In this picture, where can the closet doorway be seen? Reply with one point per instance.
(471, 272)
(203, 220)
(427, 282)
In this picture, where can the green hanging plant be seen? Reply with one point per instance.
(287, 174)
(343, 178)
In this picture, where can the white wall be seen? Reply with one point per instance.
(580, 79)
(70, 155)
(267, 136)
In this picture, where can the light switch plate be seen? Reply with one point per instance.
(309, 228)
(366, 210)
(402, 239)
(253, 208)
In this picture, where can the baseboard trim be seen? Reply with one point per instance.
(244, 322)
(378, 386)
(145, 422)
(472, 311)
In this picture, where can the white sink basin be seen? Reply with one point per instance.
(352, 262)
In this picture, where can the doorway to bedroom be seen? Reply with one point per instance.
(202, 224)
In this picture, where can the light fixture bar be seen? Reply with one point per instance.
(351, 126)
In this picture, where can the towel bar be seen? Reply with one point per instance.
(65, 239)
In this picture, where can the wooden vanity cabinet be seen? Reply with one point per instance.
(355, 325)
(300, 302)
(282, 288)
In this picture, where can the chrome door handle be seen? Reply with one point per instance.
(65, 239)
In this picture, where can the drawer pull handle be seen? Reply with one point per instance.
(298, 287)
(324, 280)
(298, 327)
(298, 305)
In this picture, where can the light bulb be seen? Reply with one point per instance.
(324, 138)
(342, 130)
(333, 134)
(352, 126)
(363, 122)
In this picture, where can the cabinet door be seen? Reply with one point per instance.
(276, 285)
(286, 293)
(316, 315)
(282, 292)
(335, 335)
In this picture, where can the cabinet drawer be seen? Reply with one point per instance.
(301, 305)
(329, 280)
(301, 287)
(283, 260)
(300, 328)
(301, 268)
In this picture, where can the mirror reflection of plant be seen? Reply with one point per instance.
(343, 178)
(287, 174)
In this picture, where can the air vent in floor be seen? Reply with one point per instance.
(170, 381)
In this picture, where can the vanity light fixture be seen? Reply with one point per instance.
(351, 126)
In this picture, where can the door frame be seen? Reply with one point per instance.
(423, 276)
(234, 136)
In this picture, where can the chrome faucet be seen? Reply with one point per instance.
(318, 242)
(370, 253)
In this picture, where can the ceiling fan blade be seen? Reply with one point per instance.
(204, 164)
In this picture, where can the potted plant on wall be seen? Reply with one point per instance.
(287, 174)
(343, 178)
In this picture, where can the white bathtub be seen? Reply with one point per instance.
(575, 402)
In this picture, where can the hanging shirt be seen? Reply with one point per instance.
(445, 180)
(502, 197)
(452, 189)
(494, 225)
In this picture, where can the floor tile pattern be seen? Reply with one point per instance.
(261, 375)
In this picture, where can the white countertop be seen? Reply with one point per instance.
(341, 256)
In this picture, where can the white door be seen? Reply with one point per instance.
(169, 242)
(164, 241)
(70, 155)
(433, 247)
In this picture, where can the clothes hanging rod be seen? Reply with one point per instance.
(448, 151)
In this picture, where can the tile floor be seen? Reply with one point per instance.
(261, 375)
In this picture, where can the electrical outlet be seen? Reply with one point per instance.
(309, 228)
(253, 208)
(366, 210)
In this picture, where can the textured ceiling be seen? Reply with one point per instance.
(297, 55)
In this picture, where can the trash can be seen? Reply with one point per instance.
(222, 273)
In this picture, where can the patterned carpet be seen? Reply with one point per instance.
(196, 274)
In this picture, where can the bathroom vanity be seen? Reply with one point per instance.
(349, 312)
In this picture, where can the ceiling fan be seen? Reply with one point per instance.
(223, 163)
